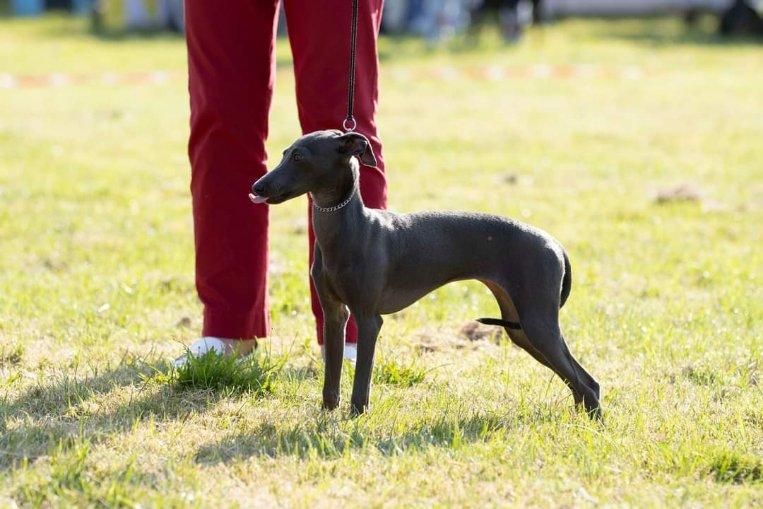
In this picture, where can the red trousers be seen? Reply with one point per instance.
(231, 65)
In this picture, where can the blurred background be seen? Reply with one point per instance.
(432, 19)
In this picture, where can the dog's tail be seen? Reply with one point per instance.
(566, 280)
(566, 288)
(500, 323)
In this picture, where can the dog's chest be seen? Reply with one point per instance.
(347, 278)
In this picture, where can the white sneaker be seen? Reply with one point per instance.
(350, 352)
(221, 346)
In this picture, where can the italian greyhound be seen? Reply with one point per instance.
(372, 262)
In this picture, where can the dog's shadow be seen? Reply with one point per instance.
(324, 438)
(75, 407)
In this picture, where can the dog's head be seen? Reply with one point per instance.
(314, 162)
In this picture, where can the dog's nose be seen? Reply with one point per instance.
(258, 188)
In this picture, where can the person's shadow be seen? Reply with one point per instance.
(56, 412)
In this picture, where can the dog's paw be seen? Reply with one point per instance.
(357, 409)
(330, 401)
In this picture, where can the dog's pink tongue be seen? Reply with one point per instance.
(257, 199)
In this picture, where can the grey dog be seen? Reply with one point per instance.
(371, 262)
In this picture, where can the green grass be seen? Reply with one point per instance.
(395, 372)
(97, 293)
(256, 374)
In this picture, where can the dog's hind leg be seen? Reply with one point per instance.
(540, 336)
(509, 314)
(542, 330)
(590, 380)
(520, 339)
(585, 391)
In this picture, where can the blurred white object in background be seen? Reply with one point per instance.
(556, 8)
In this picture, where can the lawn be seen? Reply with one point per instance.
(579, 129)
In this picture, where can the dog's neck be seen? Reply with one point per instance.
(347, 182)
(331, 222)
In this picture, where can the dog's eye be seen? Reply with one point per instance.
(296, 157)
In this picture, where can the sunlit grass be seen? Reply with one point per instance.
(402, 373)
(97, 289)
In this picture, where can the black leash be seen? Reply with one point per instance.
(349, 123)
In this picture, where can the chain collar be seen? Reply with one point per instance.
(335, 207)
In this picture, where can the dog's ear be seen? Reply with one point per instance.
(355, 144)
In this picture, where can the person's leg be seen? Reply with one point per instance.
(319, 33)
(231, 66)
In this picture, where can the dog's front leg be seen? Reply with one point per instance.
(368, 331)
(335, 316)
(334, 321)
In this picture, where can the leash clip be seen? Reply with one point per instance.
(349, 124)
